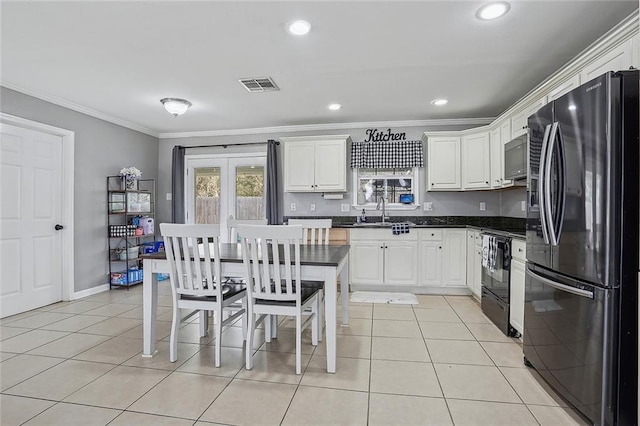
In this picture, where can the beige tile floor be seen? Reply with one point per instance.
(437, 363)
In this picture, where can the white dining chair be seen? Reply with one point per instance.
(232, 225)
(193, 254)
(315, 232)
(271, 256)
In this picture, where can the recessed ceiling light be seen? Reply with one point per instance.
(493, 10)
(299, 27)
(439, 102)
(572, 107)
(334, 107)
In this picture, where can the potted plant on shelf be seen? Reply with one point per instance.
(130, 176)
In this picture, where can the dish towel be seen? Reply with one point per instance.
(399, 228)
(489, 252)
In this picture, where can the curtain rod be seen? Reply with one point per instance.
(229, 144)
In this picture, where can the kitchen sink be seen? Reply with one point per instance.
(381, 225)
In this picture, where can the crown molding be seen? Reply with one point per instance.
(79, 108)
(330, 127)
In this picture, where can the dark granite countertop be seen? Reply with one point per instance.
(511, 226)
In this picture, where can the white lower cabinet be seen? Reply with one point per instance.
(432, 258)
(516, 308)
(431, 263)
(474, 262)
(377, 257)
(517, 285)
(400, 262)
(454, 273)
(477, 272)
(366, 264)
(443, 258)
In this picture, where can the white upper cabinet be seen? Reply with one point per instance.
(299, 163)
(519, 120)
(476, 161)
(616, 59)
(443, 163)
(497, 154)
(505, 137)
(635, 51)
(315, 163)
(564, 87)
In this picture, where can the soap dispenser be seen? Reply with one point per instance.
(363, 217)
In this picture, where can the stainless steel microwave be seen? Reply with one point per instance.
(515, 158)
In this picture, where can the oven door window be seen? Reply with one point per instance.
(498, 281)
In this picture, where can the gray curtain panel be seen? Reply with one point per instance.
(177, 185)
(274, 216)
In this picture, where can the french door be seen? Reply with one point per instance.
(224, 185)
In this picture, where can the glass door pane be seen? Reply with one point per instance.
(249, 192)
(207, 192)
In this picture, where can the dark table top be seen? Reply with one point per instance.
(309, 254)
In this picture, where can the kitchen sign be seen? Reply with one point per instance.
(375, 135)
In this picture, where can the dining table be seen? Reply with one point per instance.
(326, 263)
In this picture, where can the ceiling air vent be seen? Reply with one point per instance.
(262, 84)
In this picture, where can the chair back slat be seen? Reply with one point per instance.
(232, 226)
(193, 253)
(271, 255)
(315, 231)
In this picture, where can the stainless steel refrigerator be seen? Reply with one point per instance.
(581, 319)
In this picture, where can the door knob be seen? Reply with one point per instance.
(58, 227)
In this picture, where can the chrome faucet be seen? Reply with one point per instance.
(382, 201)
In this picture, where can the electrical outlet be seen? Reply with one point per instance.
(313, 207)
(168, 196)
(523, 205)
(428, 206)
(483, 206)
(293, 207)
(344, 207)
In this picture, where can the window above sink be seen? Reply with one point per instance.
(394, 184)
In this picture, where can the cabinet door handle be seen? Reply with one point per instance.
(440, 247)
(520, 250)
(381, 247)
(433, 235)
(431, 183)
(487, 182)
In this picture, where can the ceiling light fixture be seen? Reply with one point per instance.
(439, 102)
(175, 106)
(299, 27)
(334, 107)
(493, 10)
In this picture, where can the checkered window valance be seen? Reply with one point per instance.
(387, 155)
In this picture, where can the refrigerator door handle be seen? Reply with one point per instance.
(562, 287)
(541, 185)
(547, 184)
(562, 177)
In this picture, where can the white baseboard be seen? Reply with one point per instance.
(89, 292)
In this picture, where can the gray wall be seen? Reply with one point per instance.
(451, 203)
(101, 149)
(511, 200)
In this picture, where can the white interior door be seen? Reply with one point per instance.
(30, 209)
(221, 186)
